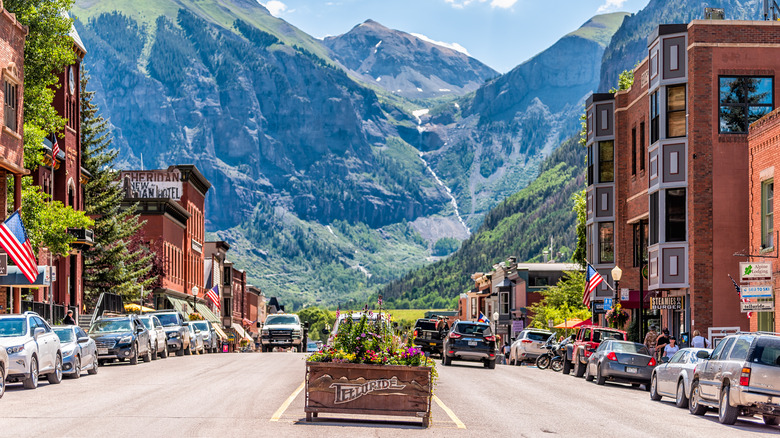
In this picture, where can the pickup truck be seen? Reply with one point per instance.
(429, 334)
(283, 331)
(584, 342)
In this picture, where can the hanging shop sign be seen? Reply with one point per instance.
(755, 271)
(763, 291)
(666, 303)
(757, 306)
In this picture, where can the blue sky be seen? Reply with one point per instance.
(500, 33)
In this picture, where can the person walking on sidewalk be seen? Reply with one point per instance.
(699, 341)
(661, 343)
(650, 340)
(68, 320)
(671, 348)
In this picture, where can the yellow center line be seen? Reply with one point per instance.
(449, 412)
(279, 412)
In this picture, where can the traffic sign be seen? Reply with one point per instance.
(757, 306)
(763, 291)
(607, 304)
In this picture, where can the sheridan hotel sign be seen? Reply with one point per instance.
(154, 183)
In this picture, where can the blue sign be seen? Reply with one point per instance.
(607, 304)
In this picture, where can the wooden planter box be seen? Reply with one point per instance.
(347, 388)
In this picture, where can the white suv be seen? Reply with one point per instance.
(33, 349)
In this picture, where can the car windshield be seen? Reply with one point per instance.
(538, 336)
(201, 325)
(474, 329)
(111, 326)
(603, 335)
(65, 335)
(281, 319)
(312, 345)
(425, 325)
(168, 319)
(629, 347)
(12, 327)
(767, 351)
(148, 323)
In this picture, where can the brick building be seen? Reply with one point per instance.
(12, 38)
(670, 163)
(764, 142)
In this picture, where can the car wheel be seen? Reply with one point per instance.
(188, 350)
(2, 381)
(94, 370)
(600, 379)
(31, 382)
(180, 352)
(588, 376)
(134, 355)
(566, 366)
(76, 368)
(446, 361)
(55, 377)
(101, 362)
(154, 351)
(164, 353)
(682, 399)
(654, 395)
(727, 414)
(491, 365)
(148, 355)
(579, 368)
(769, 420)
(694, 407)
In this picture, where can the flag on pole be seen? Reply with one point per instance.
(744, 300)
(55, 148)
(213, 295)
(592, 280)
(13, 239)
(483, 318)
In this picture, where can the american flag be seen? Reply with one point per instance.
(55, 149)
(213, 295)
(592, 280)
(744, 300)
(13, 238)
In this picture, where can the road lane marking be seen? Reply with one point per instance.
(449, 412)
(279, 412)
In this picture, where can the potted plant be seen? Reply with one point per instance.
(368, 370)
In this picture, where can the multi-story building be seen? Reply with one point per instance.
(691, 103)
(12, 38)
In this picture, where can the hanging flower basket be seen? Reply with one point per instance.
(617, 317)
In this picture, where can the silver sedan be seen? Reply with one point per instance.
(673, 378)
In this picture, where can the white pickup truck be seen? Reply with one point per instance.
(284, 331)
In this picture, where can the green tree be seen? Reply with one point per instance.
(318, 318)
(445, 246)
(562, 301)
(580, 253)
(47, 51)
(118, 262)
(625, 81)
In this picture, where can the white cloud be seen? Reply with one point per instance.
(275, 7)
(610, 6)
(503, 4)
(454, 46)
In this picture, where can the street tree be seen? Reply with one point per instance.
(562, 301)
(318, 318)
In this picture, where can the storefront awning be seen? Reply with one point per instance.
(179, 304)
(17, 279)
(215, 322)
(241, 332)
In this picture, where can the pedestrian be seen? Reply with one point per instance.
(68, 320)
(650, 340)
(699, 341)
(661, 343)
(506, 350)
(671, 348)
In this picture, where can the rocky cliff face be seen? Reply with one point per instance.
(405, 64)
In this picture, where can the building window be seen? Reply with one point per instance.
(640, 243)
(473, 307)
(589, 242)
(654, 118)
(675, 215)
(766, 320)
(633, 151)
(767, 214)
(11, 101)
(504, 297)
(642, 151)
(743, 100)
(653, 218)
(590, 165)
(675, 111)
(540, 281)
(606, 161)
(606, 242)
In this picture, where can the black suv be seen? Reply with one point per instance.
(120, 338)
(471, 341)
(429, 334)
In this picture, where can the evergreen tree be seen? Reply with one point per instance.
(118, 262)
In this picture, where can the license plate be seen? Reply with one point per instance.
(102, 351)
(472, 343)
(632, 370)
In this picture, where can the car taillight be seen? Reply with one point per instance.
(612, 356)
(744, 378)
(454, 335)
(415, 333)
(490, 338)
(527, 341)
(652, 362)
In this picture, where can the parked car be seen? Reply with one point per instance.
(79, 352)
(587, 339)
(32, 347)
(178, 335)
(196, 339)
(673, 377)
(157, 335)
(311, 347)
(740, 377)
(620, 361)
(210, 339)
(120, 338)
(470, 341)
(282, 330)
(429, 333)
(3, 370)
(528, 346)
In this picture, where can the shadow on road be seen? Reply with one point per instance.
(360, 422)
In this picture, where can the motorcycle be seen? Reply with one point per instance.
(553, 358)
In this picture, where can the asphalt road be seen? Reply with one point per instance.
(258, 395)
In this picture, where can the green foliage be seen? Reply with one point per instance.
(170, 54)
(255, 35)
(562, 301)
(625, 81)
(318, 319)
(580, 253)
(125, 34)
(118, 262)
(445, 246)
(47, 51)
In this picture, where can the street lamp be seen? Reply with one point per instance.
(194, 298)
(617, 274)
